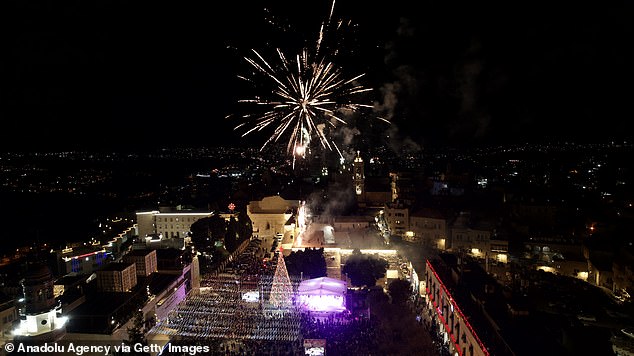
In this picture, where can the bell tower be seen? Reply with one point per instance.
(358, 178)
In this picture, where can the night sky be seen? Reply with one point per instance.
(154, 73)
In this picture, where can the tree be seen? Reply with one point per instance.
(281, 287)
(364, 270)
(206, 231)
(315, 265)
(136, 332)
(218, 227)
(399, 290)
(310, 262)
(245, 226)
(231, 235)
(201, 235)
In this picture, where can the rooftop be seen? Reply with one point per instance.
(116, 266)
(322, 286)
(71, 279)
(168, 253)
(139, 252)
(487, 309)
(158, 282)
(105, 303)
(353, 218)
(427, 213)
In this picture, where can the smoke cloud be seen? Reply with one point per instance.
(337, 200)
(401, 90)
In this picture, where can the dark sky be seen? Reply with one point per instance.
(133, 73)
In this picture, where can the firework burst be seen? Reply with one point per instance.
(308, 97)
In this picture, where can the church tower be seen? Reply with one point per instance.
(358, 178)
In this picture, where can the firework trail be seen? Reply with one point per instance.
(323, 28)
(308, 95)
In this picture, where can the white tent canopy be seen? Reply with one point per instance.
(322, 286)
(322, 294)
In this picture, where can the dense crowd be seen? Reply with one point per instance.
(218, 311)
(219, 317)
(344, 335)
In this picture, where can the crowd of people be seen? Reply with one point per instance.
(219, 316)
(344, 335)
(219, 311)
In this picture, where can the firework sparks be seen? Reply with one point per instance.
(308, 96)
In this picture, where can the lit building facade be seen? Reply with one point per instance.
(115, 246)
(557, 257)
(8, 315)
(428, 227)
(168, 222)
(452, 323)
(144, 260)
(117, 277)
(195, 272)
(477, 240)
(83, 259)
(397, 219)
(270, 215)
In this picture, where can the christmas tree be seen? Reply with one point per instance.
(281, 289)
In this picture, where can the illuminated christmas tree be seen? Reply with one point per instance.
(281, 289)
